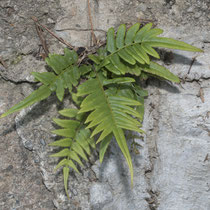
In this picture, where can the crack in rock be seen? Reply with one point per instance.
(16, 82)
(152, 132)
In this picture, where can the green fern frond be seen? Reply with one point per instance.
(129, 51)
(76, 144)
(109, 114)
(66, 74)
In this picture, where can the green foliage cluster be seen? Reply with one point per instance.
(108, 96)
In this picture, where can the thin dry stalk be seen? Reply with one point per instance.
(51, 33)
(94, 39)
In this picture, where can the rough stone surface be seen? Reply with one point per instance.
(172, 169)
(21, 185)
(100, 195)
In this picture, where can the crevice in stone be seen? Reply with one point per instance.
(153, 151)
(205, 128)
(195, 80)
(152, 201)
(16, 82)
(206, 41)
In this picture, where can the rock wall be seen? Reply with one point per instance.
(172, 169)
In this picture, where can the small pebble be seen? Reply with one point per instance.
(74, 192)
(42, 141)
(50, 20)
(197, 14)
(85, 175)
(28, 145)
(190, 9)
(36, 159)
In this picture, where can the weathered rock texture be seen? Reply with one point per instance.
(172, 169)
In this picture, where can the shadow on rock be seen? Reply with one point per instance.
(162, 84)
(169, 57)
(30, 114)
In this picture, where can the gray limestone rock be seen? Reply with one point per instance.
(181, 171)
(100, 195)
(171, 171)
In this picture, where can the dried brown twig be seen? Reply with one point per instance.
(3, 63)
(191, 64)
(43, 41)
(51, 33)
(82, 56)
(88, 50)
(91, 50)
(91, 24)
(201, 95)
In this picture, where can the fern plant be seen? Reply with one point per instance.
(110, 100)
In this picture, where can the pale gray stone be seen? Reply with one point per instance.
(171, 171)
(181, 172)
(100, 195)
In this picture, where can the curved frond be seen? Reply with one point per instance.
(109, 114)
(127, 50)
(75, 145)
(66, 74)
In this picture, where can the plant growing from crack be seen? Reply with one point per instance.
(106, 92)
